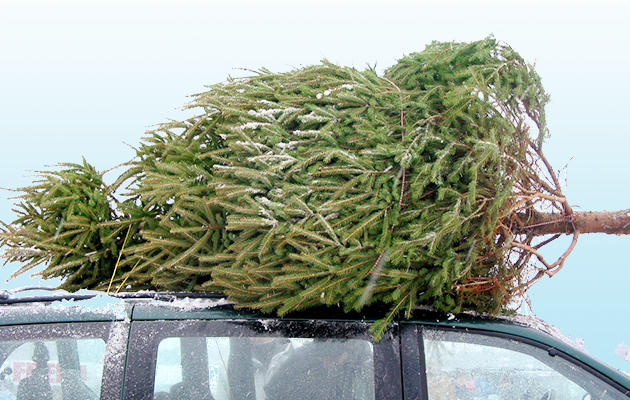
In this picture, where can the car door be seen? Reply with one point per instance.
(447, 363)
(261, 359)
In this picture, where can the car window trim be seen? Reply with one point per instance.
(413, 362)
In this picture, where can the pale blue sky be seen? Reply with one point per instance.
(81, 78)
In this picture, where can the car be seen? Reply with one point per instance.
(172, 346)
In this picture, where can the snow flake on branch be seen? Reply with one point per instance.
(268, 114)
(251, 125)
(312, 117)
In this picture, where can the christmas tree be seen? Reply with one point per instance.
(324, 185)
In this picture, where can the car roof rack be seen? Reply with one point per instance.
(8, 297)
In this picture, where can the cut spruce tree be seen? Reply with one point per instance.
(325, 185)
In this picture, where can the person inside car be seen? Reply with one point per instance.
(36, 386)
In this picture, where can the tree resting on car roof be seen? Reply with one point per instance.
(325, 185)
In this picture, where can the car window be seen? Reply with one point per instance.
(54, 362)
(252, 360)
(466, 366)
(260, 368)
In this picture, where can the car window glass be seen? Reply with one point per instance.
(51, 369)
(264, 368)
(463, 366)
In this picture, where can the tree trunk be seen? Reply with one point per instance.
(610, 222)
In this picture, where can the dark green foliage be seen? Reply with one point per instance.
(322, 185)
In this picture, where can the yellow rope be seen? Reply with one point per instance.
(118, 261)
(128, 275)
